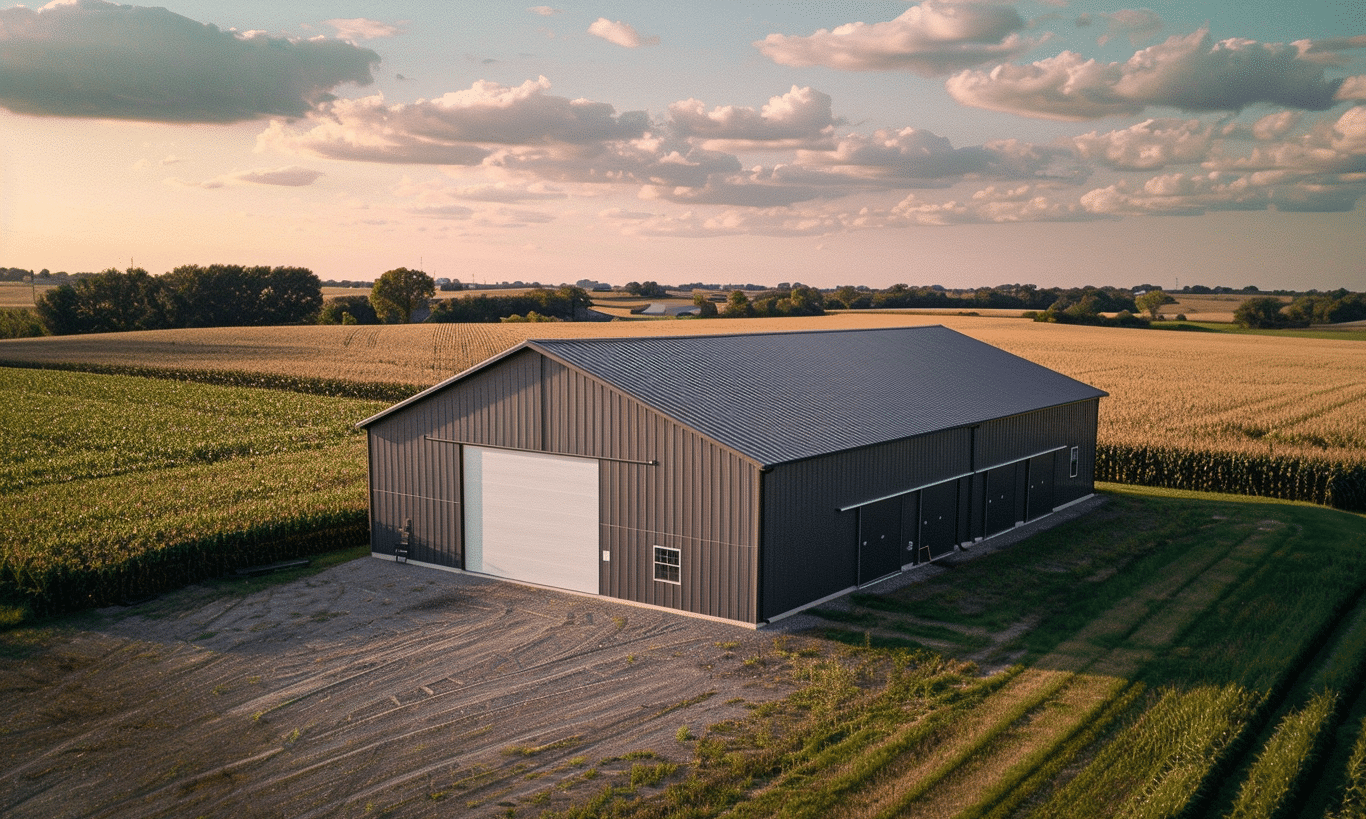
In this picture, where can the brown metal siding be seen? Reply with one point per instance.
(414, 479)
(809, 545)
(699, 499)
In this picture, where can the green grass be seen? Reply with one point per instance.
(1233, 329)
(1171, 643)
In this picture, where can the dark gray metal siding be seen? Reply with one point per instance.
(1020, 436)
(810, 547)
(700, 498)
(808, 544)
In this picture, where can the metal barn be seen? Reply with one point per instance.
(741, 477)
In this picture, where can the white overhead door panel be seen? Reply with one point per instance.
(532, 517)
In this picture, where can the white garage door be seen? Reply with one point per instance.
(532, 517)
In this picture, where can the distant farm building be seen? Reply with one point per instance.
(662, 308)
(742, 477)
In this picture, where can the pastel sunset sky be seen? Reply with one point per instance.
(940, 142)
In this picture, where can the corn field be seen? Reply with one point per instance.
(115, 488)
(1272, 416)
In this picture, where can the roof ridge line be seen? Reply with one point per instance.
(737, 334)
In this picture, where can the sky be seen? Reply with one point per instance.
(960, 143)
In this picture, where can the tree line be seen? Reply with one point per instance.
(189, 296)
(1265, 312)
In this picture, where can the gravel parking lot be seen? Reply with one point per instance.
(368, 689)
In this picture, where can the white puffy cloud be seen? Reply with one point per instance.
(1353, 88)
(988, 206)
(648, 160)
(291, 176)
(544, 11)
(89, 58)
(1177, 194)
(1149, 145)
(1349, 132)
(1329, 50)
(1136, 24)
(359, 28)
(1277, 125)
(913, 157)
(619, 33)
(455, 129)
(798, 119)
(932, 38)
(1192, 73)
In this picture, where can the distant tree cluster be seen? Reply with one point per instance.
(1266, 312)
(648, 290)
(1002, 297)
(561, 303)
(189, 296)
(348, 310)
(800, 300)
(723, 288)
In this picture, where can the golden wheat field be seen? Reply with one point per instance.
(1233, 393)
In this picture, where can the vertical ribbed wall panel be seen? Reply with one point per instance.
(699, 499)
(1020, 436)
(810, 547)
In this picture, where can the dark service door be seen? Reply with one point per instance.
(1001, 499)
(938, 521)
(879, 537)
(1040, 485)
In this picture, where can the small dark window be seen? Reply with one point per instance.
(1076, 458)
(667, 562)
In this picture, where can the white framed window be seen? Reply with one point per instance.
(668, 563)
(1076, 459)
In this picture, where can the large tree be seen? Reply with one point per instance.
(399, 292)
(1260, 312)
(1152, 302)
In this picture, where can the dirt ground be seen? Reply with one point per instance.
(368, 689)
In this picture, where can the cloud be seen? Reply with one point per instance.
(1329, 50)
(1136, 24)
(1191, 73)
(545, 11)
(455, 129)
(1149, 145)
(291, 177)
(933, 38)
(359, 28)
(504, 193)
(620, 33)
(649, 160)
(89, 58)
(988, 206)
(913, 157)
(1353, 88)
(1275, 126)
(800, 118)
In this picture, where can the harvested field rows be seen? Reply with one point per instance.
(1227, 393)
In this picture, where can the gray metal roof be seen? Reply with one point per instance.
(779, 397)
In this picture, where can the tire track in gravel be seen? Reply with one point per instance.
(371, 684)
